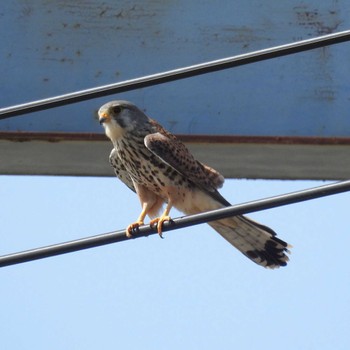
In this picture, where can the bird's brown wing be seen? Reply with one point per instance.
(120, 170)
(175, 154)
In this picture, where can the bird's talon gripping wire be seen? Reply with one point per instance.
(159, 223)
(132, 229)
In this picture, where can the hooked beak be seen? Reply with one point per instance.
(104, 118)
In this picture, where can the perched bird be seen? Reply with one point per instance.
(161, 170)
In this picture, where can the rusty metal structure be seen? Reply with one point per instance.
(285, 118)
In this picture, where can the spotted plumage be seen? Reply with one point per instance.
(160, 169)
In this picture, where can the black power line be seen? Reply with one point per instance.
(118, 236)
(175, 74)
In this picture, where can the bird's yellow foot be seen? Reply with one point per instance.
(129, 230)
(159, 222)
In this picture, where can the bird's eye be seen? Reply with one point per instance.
(117, 109)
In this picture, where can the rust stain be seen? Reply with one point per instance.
(322, 23)
(26, 11)
(50, 136)
(103, 12)
(220, 139)
(327, 94)
(284, 140)
(241, 35)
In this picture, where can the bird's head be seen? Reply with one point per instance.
(118, 117)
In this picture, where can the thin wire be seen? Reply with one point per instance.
(119, 236)
(175, 74)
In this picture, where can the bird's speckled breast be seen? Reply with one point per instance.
(148, 170)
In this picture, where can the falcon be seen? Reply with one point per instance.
(161, 170)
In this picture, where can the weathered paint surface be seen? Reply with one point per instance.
(54, 47)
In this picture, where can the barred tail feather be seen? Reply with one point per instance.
(258, 242)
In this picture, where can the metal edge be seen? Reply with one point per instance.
(215, 139)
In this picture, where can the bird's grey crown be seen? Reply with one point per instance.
(126, 114)
(124, 105)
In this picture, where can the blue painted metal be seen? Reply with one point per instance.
(53, 47)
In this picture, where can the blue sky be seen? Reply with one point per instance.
(191, 290)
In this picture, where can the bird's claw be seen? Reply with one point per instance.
(159, 222)
(130, 230)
